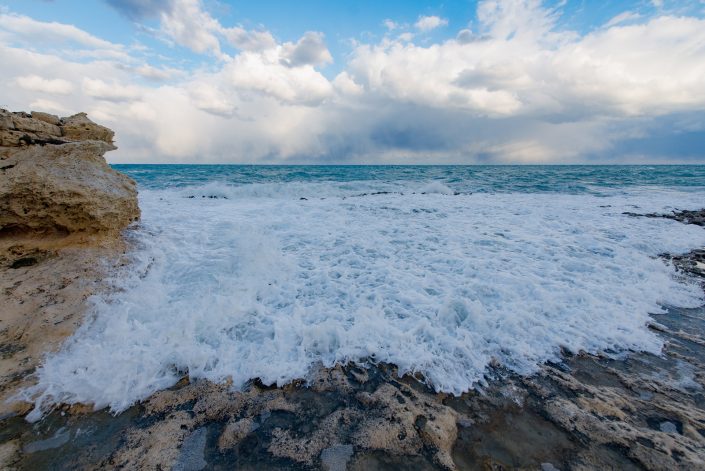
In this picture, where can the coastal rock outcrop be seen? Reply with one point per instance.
(55, 180)
(61, 211)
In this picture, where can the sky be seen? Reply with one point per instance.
(367, 82)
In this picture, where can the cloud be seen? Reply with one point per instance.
(47, 106)
(622, 18)
(40, 84)
(114, 92)
(517, 88)
(156, 73)
(390, 25)
(309, 50)
(249, 40)
(428, 23)
(141, 9)
(20, 29)
(269, 74)
(465, 36)
(187, 24)
(209, 98)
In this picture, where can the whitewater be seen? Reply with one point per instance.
(267, 273)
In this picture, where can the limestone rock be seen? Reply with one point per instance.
(79, 128)
(63, 189)
(46, 117)
(19, 130)
(35, 126)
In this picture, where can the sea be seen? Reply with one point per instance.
(242, 272)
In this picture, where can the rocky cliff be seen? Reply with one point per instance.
(61, 211)
(55, 181)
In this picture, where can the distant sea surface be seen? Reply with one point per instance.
(242, 272)
(481, 179)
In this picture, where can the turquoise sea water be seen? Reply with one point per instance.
(544, 178)
(242, 272)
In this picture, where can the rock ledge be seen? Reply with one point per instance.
(54, 179)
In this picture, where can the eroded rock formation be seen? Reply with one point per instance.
(61, 211)
(54, 179)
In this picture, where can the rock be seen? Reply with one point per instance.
(61, 209)
(19, 130)
(6, 121)
(192, 450)
(79, 128)
(35, 126)
(46, 117)
(63, 189)
(235, 431)
(335, 458)
(9, 454)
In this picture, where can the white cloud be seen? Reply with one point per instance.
(268, 74)
(211, 99)
(157, 73)
(344, 83)
(465, 36)
(23, 29)
(40, 84)
(428, 23)
(249, 40)
(517, 88)
(115, 92)
(622, 18)
(48, 106)
(309, 50)
(187, 24)
(390, 25)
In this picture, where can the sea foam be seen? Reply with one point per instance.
(257, 282)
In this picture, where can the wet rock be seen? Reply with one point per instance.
(235, 431)
(192, 452)
(23, 262)
(696, 217)
(336, 458)
(157, 447)
(59, 438)
(9, 455)
(668, 427)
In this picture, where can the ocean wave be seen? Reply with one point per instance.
(257, 283)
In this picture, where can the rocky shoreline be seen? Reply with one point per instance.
(62, 208)
(59, 239)
(590, 412)
(639, 411)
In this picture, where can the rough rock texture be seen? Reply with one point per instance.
(54, 179)
(20, 130)
(79, 128)
(65, 189)
(61, 211)
(43, 300)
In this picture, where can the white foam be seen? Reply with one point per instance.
(436, 187)
(250, 287)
